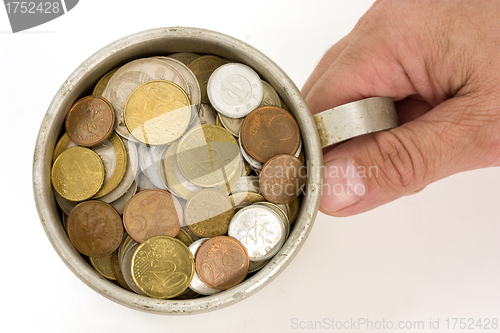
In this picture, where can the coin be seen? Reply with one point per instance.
(121, 202)
(269, 131)
(208, 156)
(247, 184)
(103, 266)
(233, 125)
(257, 265)
(129, 176)
(90, 121)
(282, 179)
(260, 230)
(150, 158)
(254, 164)
(114, 157)
(271, 97)
(64, 220)
(235, 90)
(206, 115)
(203, 67)
(243, 199)
(162, 267)
(103, 82)
(117, 271)
(95, 228)
(65, 205)
(131, 76)
(191, 80)
(126, 266)
(157, 112)
(152, 213)
(294, 209)
(143, 183)
(185, 57)
(222, 262)
(176, 182)
(184, 237)
(77, 174)
(281, 214)
(208, 213)
(196, 284)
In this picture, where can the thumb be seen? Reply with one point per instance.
(374, 169)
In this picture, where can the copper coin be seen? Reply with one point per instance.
(282, 179)
(222, 262)
(95, 228)
(152, 213)
(269, 131)
(90, 121)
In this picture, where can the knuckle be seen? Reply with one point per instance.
(400, 161)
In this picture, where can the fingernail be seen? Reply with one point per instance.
(342, 185)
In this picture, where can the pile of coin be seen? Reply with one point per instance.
(180, 175)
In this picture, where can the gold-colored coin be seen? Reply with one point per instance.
(119, 159)
(162, 267)
(61, 146)
(294, 209)
(104, 266)
(119, 171)
(77, 174)
(157, 112)
(208, 156)
(248, 169)
(184, 237)
(243, 199)
(117, 271)
(182, 189)
(202, 68)
(103, 82)
(217, 120)
(208, 213)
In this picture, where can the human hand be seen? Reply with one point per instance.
(440, 62)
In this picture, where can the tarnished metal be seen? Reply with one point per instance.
(354, 119)
(164, 41)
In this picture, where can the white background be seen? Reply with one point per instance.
(432, 255)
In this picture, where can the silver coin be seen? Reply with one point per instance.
(191, 80)
(128, 177)
(196, 284)
(150, 164)
(271, 97)
(233, 125)
(143, 183)
(66, 205)
(260, 229)
(256, 265)
(235, 90)
(129, 77)
(280, 212)
(185, 57)
(121, 202)
(254, 164)
(297, 152)
(204, 116)
(175, 181)
(126, 266)
(247, 184)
